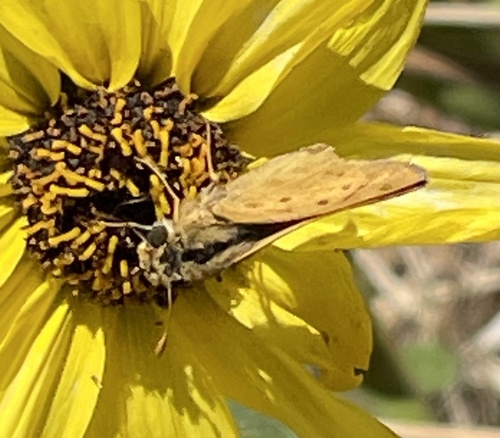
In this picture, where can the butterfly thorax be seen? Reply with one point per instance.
(194, 252)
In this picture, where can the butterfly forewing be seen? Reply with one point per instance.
(312, 182)
(227, 223)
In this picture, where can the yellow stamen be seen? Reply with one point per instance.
(155, 126)
(186, 150)
(50, 205)
(190, 98)
(148, 112)
(64, 260)
(81, 192)
(192, 192)
(44, 180)
(40, 153)
(98, 150)
(165, 145)
(117, 134)
(132, 188)
(160, 201)
(198, 166)
(86, 235)
(138, 140)
(74, 178)
(196, 140)
(97, 227)
(118, 116)
(126, 288)
(118, 176)
(108, 262)
(42, 225)
(87, 132)
(29, 201)
(186, 172)
(95, 173)
(57, 272)
(33, 136)
(89, 251)
(124, 268)
(65, 237)
(66, 145)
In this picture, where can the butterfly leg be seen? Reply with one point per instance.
(162, 343)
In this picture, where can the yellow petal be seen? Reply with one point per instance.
(326, 298)
(29, 84)
(5, 186)
(253, 372)
(13, 243)
(327, 85)
(266, 318)
(299, 106)
(144, 394)
(12, 123)
(156, 58)
(377, 140)
(37, 373)
(8, 212)
(379, 41)
(70, 411)
(17, 16)
(93, 41)
(284, 71)
(15, 293)
(287, 24)
(178, 18)
(210, 17)
(285, 289)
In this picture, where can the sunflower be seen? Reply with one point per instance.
(269, 77)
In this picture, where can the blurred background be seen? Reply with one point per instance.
(437, 309)
(435, 370)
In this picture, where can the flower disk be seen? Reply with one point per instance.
(89, 179)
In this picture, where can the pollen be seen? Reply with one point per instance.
(90, 179)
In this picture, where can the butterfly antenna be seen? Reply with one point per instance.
(162, 343)
(161, 176)
(141, 236)
(132, 225)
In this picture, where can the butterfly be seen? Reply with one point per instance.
(226, 223)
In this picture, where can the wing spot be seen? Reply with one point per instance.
(285, 199)
(346, 186)
(385, 187)
(323, 202)
(253, 204)
(333, 172)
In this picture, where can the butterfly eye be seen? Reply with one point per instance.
(157, 236)
(160, 233)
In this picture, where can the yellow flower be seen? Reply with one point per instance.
(276, 76)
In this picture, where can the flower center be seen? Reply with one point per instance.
(89, 179)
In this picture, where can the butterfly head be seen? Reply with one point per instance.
(162, 232)
(159, 253)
